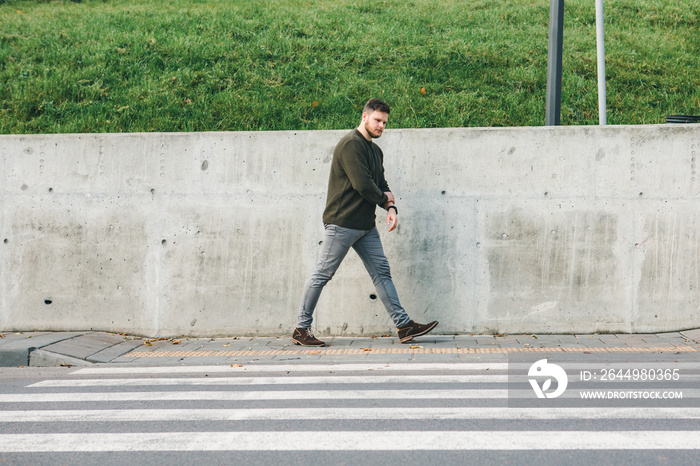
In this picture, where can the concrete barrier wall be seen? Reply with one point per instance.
(551, 229)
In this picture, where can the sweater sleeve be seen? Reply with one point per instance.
(383, 185)
(353, 158)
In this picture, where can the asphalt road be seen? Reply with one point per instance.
(434, 413)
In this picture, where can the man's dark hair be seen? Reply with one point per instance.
(376, 105)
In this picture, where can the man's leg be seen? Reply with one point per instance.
(370, 250)
(337, 242)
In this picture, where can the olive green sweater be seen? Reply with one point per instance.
(356, 184)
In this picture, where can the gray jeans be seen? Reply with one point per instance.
(336, 244)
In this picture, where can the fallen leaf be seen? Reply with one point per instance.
(422, 90)
(236, 365)
(415, 346)
(366, 349)
(315, 104)
(499, 335)
(2, 336)
(176, 342)
(226, 345)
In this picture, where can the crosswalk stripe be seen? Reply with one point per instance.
(417, 379)
(288, 395)
(294, 368)
(342, 413)
(253, 395)
(352, 441)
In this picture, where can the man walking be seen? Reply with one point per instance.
(356, 186)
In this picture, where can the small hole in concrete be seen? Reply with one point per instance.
(641, 194)
(47, 301)
(163, 242)
(6, 241)
(50, 190)
(373, 296)
(205, 165)
(153, 191)
(443, 193)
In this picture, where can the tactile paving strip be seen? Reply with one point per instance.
(351, 351)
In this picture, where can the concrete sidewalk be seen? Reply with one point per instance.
(44, 349)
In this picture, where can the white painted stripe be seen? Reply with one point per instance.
(294, 368)
(287, 414)
(340, 379)
(311, 380)
(352, 441)
(254, 395)
(466, 394)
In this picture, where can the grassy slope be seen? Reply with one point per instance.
(208, 65)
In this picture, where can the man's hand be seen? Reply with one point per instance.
(392, 220)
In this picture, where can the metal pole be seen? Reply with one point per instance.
(556, 39)
(600, 39)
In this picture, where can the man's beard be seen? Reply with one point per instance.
(371, 134)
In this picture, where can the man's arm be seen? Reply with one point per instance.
(358, 173)
(391, 201)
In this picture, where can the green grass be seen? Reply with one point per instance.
(212, 65)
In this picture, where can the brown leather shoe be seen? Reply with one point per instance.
(414, 329)
(304, 337)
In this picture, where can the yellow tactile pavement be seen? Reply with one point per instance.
(409, 350)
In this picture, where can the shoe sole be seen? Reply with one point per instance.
(407, 339)
(297, 342)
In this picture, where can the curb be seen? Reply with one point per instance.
(64, 349)
(14, 357)
(42, 358)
